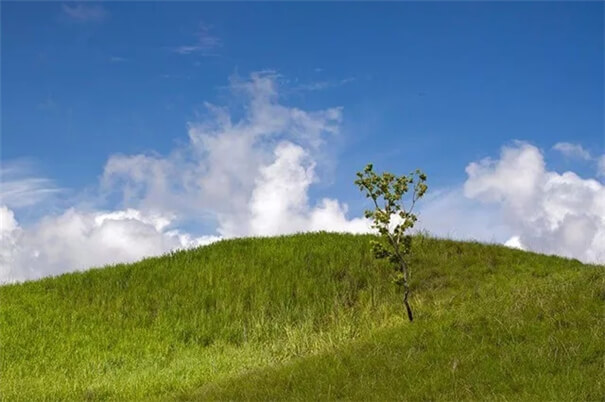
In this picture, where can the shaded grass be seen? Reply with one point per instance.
(306, 317)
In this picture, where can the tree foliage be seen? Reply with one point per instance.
(393, 219)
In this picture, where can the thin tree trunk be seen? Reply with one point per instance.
(406, 291)
(404, 269)
(405, 301)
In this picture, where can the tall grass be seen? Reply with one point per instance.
(308, 316)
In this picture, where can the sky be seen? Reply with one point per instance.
(132, 129)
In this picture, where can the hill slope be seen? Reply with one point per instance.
(308, 316)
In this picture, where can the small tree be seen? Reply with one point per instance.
(392, 219)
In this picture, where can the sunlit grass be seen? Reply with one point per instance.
(305, 317)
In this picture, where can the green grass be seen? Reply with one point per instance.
(309, 316)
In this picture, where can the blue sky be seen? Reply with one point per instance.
(435, 85)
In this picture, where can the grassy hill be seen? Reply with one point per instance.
(306, 317)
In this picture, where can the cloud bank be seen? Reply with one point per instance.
(77, 240)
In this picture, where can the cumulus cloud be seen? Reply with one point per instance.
(279, 201)
(231, 168)
(77, 240)
(547, 212)
(572, 150)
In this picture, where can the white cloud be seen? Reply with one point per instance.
(85, 12)
(547, 212)
(218, 172)
(279, 202)
(147, 181)
(572, 150)
(514, 179)
(279, 198)
(10, 234)
(514, 242)
(77, 240)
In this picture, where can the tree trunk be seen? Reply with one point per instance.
(406, 291)
(407, 305)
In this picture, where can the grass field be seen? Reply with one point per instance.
(310, 316)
